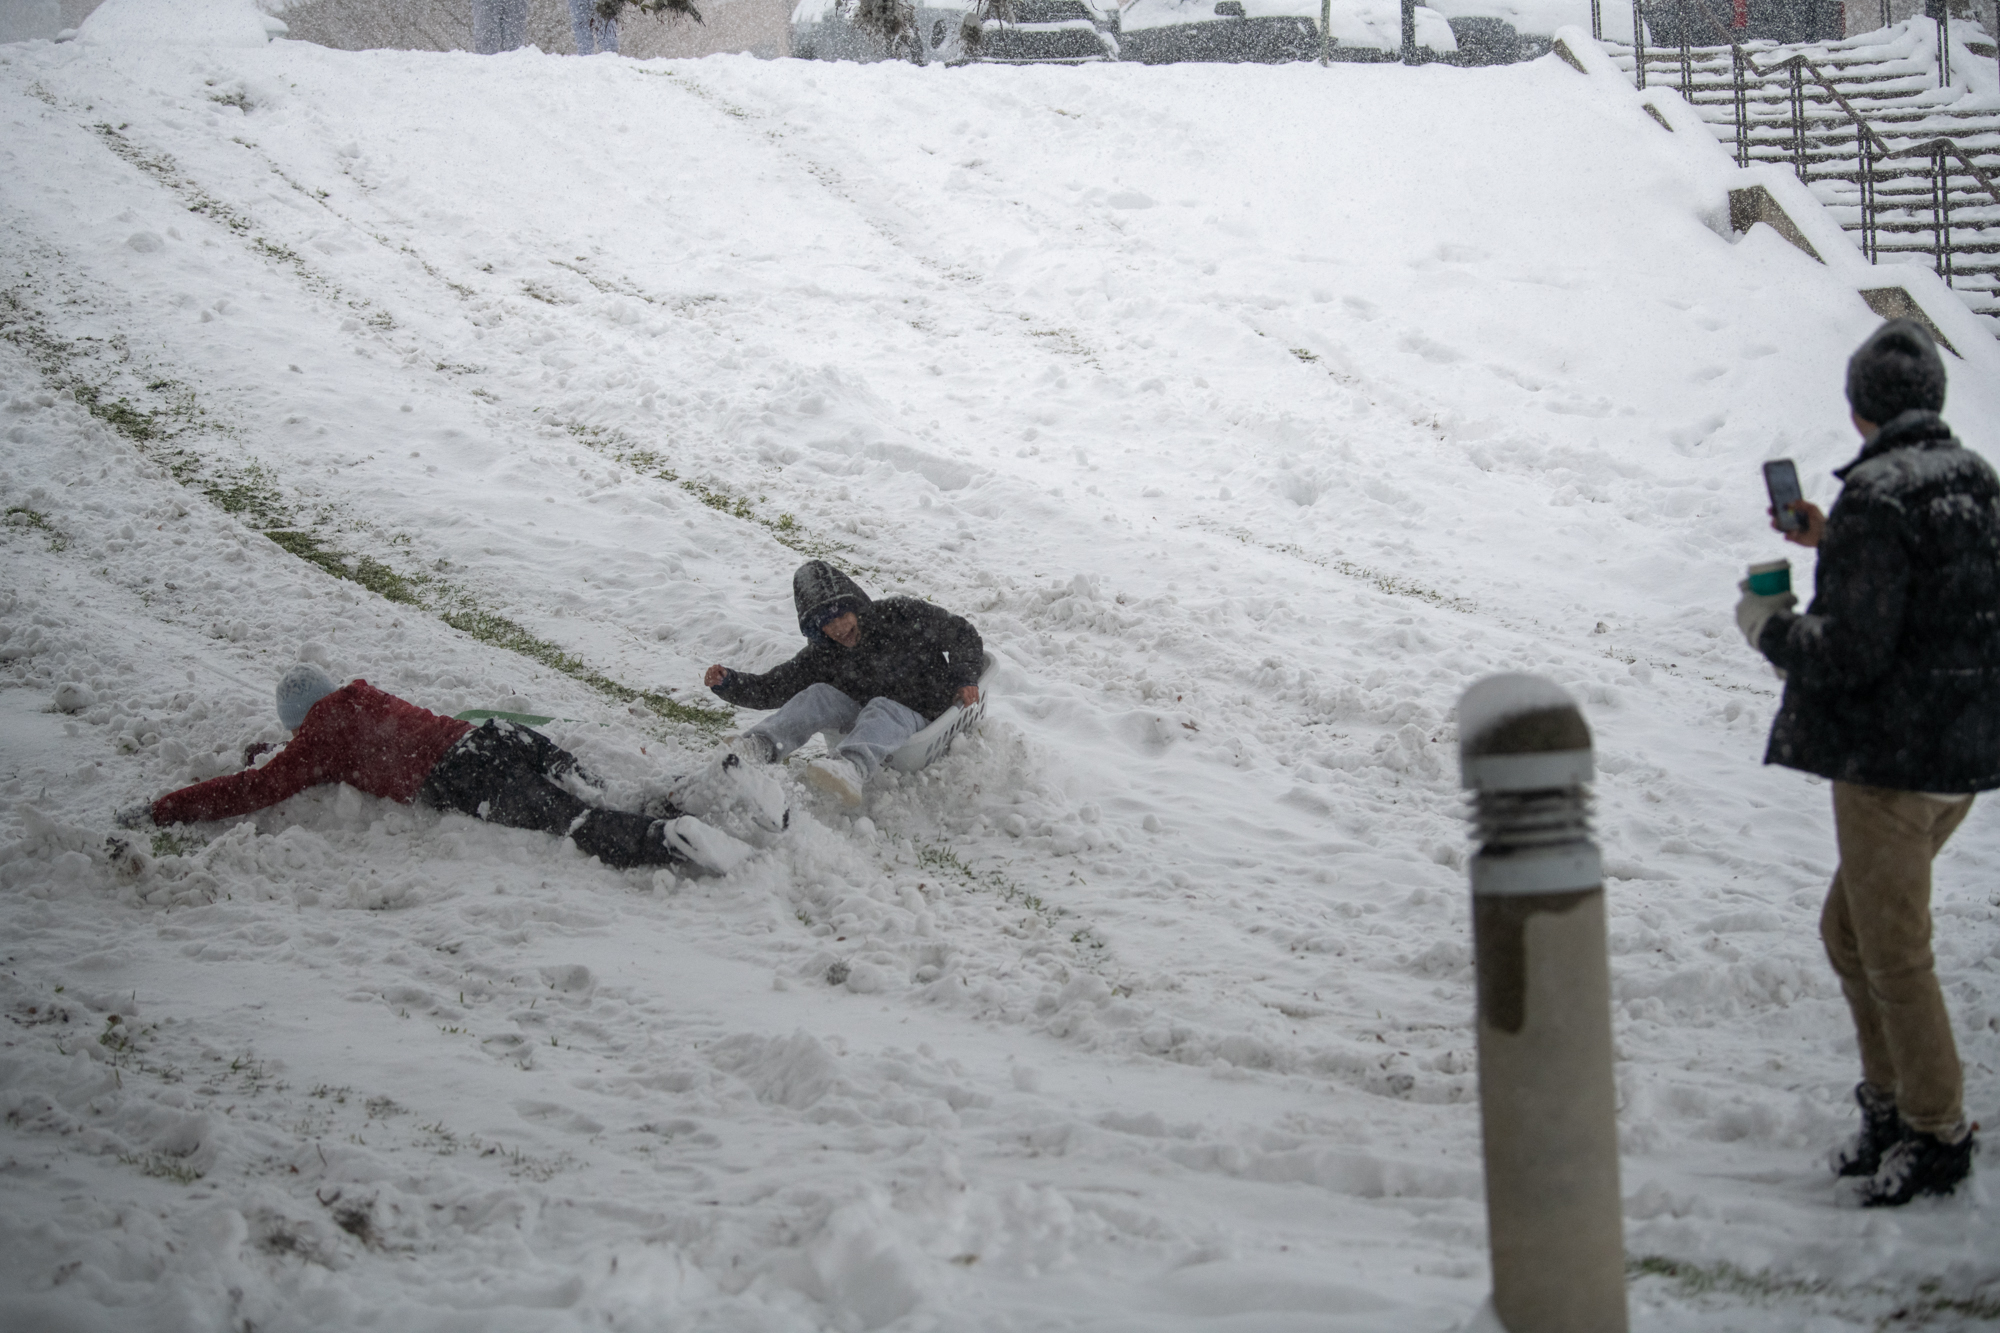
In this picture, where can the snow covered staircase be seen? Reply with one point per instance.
(1783, 114)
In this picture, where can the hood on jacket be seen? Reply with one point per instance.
(821, 592)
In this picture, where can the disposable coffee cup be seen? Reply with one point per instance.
(1771, 578)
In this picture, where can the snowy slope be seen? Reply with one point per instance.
(1252, 413)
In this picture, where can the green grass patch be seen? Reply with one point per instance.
(20, 516)
(167, 172)
(254, 494)
(1905, 1308)
(131, 422)
(249, 494)
(446, 1142)
(942, 857)
(162, 168)
(367, 571)
(488, 627)
(172, 842)
(161, 1165)
(785, 529)
(63, 364)
(463, 612)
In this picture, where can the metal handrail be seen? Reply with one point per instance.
(1941, 146)
(1798, 63)
(1937, 147)
(1870, 146)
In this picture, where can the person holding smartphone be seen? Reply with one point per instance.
(1892, 692)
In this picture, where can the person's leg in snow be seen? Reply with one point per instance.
(814, 709)
(874, 731)
(879, 730)
(1877, 931)
(511, 775)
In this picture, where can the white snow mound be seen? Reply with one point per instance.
(181, 23)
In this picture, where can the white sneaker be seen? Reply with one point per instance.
(709, 848)
(838, 778)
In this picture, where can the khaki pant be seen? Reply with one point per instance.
(1877, 928)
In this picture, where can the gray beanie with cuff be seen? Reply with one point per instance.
(1897, 370)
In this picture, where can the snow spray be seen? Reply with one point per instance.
(1547, 1104)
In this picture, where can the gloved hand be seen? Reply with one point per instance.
(1755, 610)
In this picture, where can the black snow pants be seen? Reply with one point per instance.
(511, 775)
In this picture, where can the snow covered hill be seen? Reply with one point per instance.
(1252, 413)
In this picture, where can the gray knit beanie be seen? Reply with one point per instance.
(1897, 369)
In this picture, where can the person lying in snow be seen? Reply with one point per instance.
(876, 670)
(497, 771)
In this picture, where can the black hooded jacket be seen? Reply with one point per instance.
(910, 651)
(1892, 676)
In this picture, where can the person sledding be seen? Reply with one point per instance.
(496, 771)
(877, 670)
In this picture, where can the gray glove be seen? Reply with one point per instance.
(1755, 610)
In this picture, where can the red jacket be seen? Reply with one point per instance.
(372, 741)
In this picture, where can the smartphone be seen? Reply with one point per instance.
(1781, 479)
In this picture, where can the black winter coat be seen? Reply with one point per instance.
(1892, 676)
(910, 651)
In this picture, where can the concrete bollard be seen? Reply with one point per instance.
(1547, 1104)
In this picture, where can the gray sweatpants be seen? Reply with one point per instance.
(874, 730)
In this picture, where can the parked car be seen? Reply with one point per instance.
(826, 30)
(1463, 32)
(1160, 32)
(1046, 31)
(1014, 32)
(1270, 31)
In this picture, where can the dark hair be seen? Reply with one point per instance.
(1896, 370)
